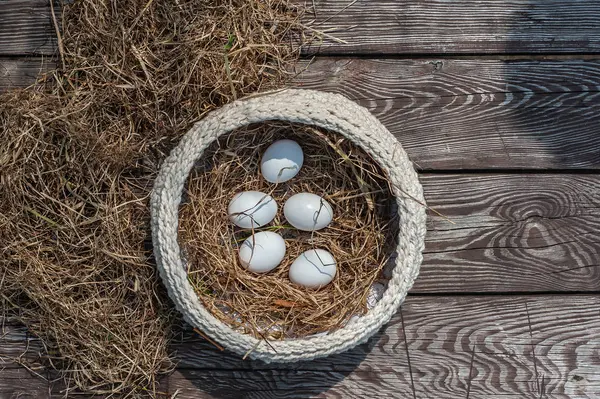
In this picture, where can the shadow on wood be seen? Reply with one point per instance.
(474, 114)
(557, 102)
(416, 27)
(205, 372)
(22, 72)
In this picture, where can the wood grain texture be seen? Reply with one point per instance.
(567, 344)
(267, 384)
(511, 232)
(26, 28)
(58, 390)
(16, 348)
(474, 114)
(540, 346)
(466, 26)
(22, 373)
(505, 345)
(387, 27)
(457, 114)
(21, 384)
(22, 72)
(509, 347)
(204, 372)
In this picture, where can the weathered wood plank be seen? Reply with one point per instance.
(190, 348)
(474, 114)
(387, 27)
(500, 346)
(509, 347)
(521, 232)
(26, 28)
(564, 340)
(59, 390)
(511, 233)
(458, 114)
(269, 384)
(21, 384)
(17, 347)
(505, 345)
(466, 26)
(22, 72)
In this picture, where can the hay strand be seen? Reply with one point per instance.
(361, 237)
(78, 156)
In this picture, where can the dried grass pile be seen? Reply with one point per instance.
(77, 157)
(361, 236)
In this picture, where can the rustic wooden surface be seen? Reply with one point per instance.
(389, 27)
(476, 114)
(517, 346)
(26, 28)
(22, 72)
(507, 346)
(512, 233)
(18, 348)
(458, 114)
(457, 27)
(507, 304)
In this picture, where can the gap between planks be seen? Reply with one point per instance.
(450, 115)
(484, 346)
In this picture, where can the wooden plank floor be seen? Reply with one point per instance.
(458, 27)
(498, 105)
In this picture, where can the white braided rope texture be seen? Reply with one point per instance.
(330, 111)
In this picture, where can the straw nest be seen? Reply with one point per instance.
(77, 157)
(361, 236)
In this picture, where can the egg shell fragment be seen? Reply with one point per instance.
(262, 252)
(281, 161)
(251, 209)
(313, 269)
(308, 212)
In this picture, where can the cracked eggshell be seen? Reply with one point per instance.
(281, 161)
(308, 212)
(262, 252)
(251, 209)
(314, 269)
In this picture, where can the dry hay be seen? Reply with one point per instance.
(73, 263)
(77, 157)
(360, 237)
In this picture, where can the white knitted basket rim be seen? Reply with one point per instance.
(330, 111)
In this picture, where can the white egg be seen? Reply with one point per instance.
(281, 161)
(314, 268)
(308, 212)
(262, 252)
(250, 209)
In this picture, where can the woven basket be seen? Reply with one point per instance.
(330, 111)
